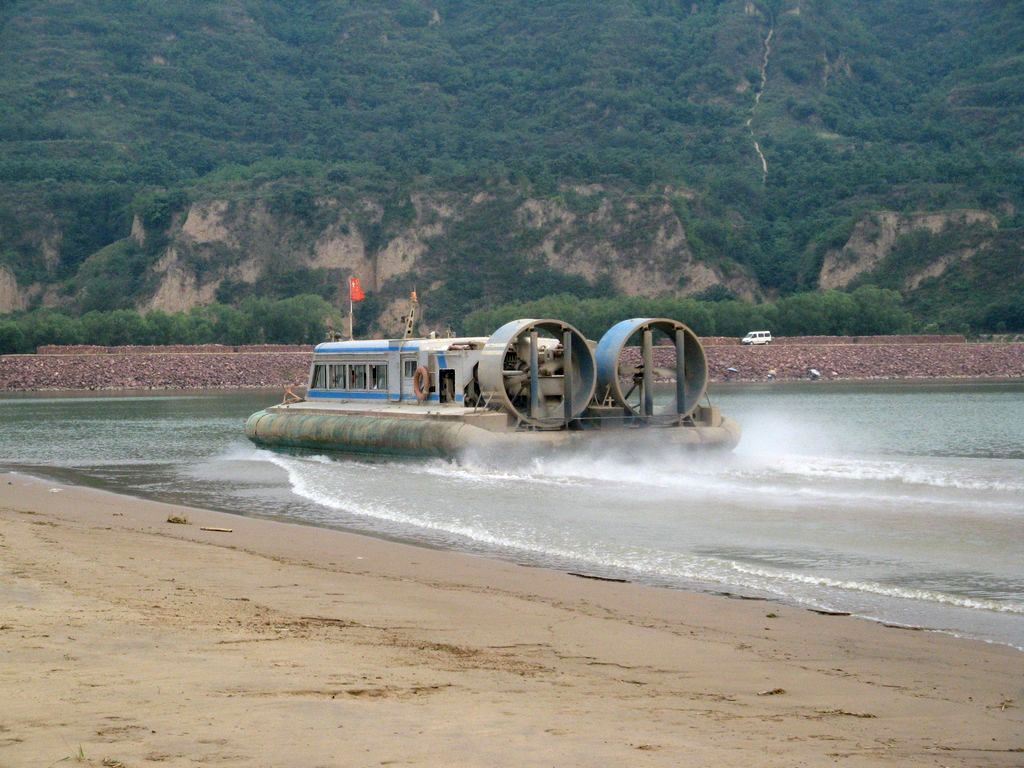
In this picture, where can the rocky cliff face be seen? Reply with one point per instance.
(874, 237)
(11, 299)
(635, 245)
(43, 237)
(639, 245)
(642, 246)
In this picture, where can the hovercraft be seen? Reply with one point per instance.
(532, 386)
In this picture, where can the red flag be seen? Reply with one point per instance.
(355, 290)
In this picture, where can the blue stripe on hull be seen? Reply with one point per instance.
(382, 397)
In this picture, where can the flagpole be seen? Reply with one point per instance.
(353, 288)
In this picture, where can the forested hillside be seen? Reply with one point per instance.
(165, 155)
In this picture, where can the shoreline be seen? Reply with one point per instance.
(71, 478)
(724, 383)
(167, 644)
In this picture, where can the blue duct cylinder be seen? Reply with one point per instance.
(690, 361)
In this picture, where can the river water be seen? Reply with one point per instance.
(899, 503)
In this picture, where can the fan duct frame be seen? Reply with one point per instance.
(691, 366)
(553, 398)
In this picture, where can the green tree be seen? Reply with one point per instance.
(12, 338)
(298, 320)
(45, 327)
(879, 311)
(116, 328)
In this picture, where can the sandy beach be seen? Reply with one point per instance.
(129, 640)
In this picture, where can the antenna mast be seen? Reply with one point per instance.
(410, 319)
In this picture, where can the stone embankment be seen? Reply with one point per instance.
(93, 349)
(860, 358)
(866, 361)
(803, 341)
(135, 369)
(212, 366)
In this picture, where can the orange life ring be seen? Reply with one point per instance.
(421, 383)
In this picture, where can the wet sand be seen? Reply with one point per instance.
(127, 639)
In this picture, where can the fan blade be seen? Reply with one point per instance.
(681, 399)
(648, 382)
(534, 376)
(636, 370)
(567, 376)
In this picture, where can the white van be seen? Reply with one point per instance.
(757, 337)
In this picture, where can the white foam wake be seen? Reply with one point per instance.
(354, 489)
(903, 472)
(905, 593)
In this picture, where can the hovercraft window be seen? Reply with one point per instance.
(337, 376)
(379, 376)
(357, 376)
(319, 377)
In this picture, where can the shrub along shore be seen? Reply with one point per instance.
(268, 366)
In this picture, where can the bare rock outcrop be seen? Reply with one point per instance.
(605, 241)
(11, 299)
(640, 243)
(206, 222)
(874, 237)
(179, 289)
